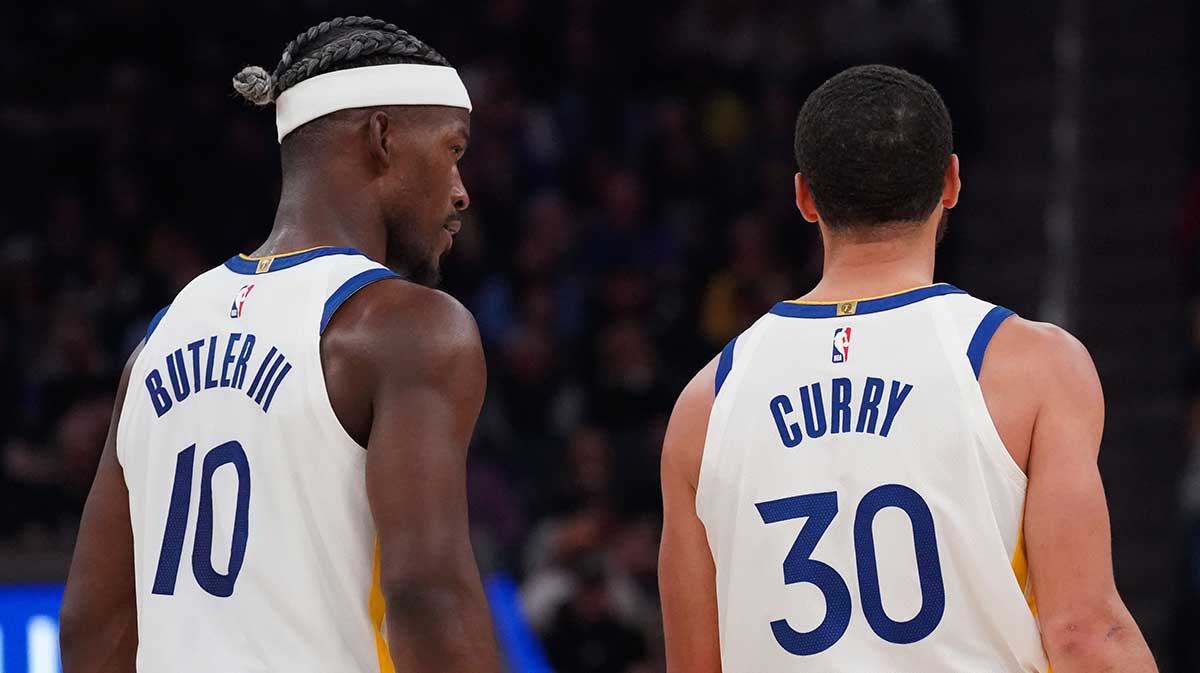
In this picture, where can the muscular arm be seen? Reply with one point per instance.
(415, 355)
(98, 620)
(1086, 627)
(686, 574)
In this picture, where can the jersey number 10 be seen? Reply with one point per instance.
(207, 577)
(799, 566)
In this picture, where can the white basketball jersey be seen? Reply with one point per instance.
(861, 509)
(254, 548)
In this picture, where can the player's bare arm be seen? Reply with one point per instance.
(406, 376)
(686, 574)
(98, 621)
(1085, 625)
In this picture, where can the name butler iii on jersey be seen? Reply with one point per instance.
(283, 487)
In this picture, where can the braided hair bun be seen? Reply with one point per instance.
(255, 85)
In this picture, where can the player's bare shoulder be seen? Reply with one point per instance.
(1040, 356)
(1031, 369)
(683, 446)
(395, 312)
(395, 332)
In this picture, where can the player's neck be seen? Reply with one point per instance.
(857, 269)
(315, 212)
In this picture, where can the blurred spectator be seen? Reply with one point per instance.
(587, 636)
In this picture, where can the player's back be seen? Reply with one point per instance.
(254, 545)
(861, 509)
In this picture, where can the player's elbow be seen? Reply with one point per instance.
(422, 599)
(74, 628)
(1086, 639)
(69, 630)
(1103, 639)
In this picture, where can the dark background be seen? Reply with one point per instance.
(631, 181)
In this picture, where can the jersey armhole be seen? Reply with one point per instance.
(319, 390)
(983, 336)
(348, 288)
(982, 425)
(740, 349)
(724, 366)
(155, 320)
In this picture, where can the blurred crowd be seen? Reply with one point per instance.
(632, 209)
(1187, 602)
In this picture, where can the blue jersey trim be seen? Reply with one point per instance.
(983, 336)
(789, 309)
(155, 320)
(348, 288)
(248, 266)
(724, 365)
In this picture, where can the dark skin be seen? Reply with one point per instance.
(405, 372)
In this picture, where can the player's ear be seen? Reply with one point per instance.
(804, 199)
(952, 184)
(379, 138)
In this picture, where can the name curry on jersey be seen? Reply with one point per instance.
(219, 361)
(876, 410)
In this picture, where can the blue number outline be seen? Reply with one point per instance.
(798, 566)
(176, 527)
(175, 530)
(207, 577)
(929, 566)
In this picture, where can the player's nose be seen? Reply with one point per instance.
(458, 193)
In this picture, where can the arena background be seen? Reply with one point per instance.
(630, 174)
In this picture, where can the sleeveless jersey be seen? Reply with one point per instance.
(861, 509)
(254, 548)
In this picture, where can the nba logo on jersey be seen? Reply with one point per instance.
(841, 345)
(235, 311)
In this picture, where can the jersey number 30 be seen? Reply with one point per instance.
(799, 566)
(207, 577)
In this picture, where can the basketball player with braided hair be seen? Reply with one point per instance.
(283, 483)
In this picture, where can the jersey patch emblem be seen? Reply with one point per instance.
(239, 301)
(841, 345)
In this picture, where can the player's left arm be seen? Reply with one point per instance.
(687, 577)
(1086, 627)
(98, 620)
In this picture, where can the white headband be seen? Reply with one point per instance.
(368, 86)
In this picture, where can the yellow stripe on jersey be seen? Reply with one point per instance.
(281, 254)
(861, 299)
(376, 607)
(1020, 566)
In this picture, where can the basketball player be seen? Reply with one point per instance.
(887, 475)
(282, 488)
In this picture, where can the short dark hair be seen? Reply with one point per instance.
(337, 44)
(873, 143)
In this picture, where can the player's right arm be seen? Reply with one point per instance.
(98, 617)
(686, 573)
(406, 372)
(1086, 627)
